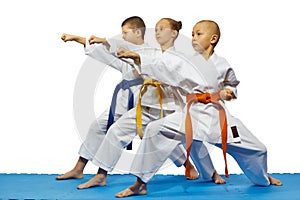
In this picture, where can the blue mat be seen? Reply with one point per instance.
(44, 186)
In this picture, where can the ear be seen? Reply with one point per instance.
(214, 38)
(138, 32)
(174, 33)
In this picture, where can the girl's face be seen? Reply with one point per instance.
(163, 32)
(201, 37)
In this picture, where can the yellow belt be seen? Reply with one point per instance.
(143, 89)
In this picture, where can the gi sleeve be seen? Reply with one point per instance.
(230, 81)
(172, 69)
(100, 53)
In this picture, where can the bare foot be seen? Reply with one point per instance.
(218, 179)
(97, 180)
(136, 189)
(274, 181)
(73, 174)
(193, 173)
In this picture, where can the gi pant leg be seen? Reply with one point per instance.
(94, 137)
(250, 154)
(201, 158)
(161, 138)
(119, 135)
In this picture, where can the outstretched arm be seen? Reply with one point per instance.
(68, 37)
(94, 39)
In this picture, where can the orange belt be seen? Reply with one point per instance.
(143, 89)
(204, 98)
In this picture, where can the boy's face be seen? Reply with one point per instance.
(129, 34)
(201, 37)
(163, 32)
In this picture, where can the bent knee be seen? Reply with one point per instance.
(263, 149)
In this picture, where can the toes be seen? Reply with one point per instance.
(125, 193)
(128, 192)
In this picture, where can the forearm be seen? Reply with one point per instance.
(106, 44)
(68, 37)
(94, 39)
(79, 39)
(124, 53)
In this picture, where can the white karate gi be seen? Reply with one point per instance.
(97, 129)
(162, 136)
(122, 132)
(250, 153)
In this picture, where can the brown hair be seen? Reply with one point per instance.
(175, 25)
(135, 22)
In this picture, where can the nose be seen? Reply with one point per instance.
(157, 33)
(193, 38)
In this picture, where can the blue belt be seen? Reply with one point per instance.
(124, 85)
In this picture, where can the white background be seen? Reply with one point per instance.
(38, 72)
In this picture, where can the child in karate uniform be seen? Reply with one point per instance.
(246, 149)
(133, 31)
